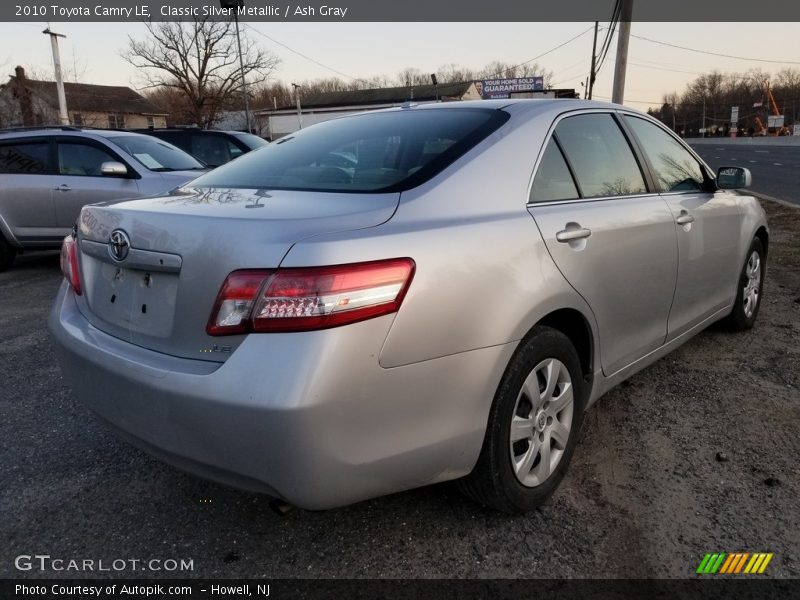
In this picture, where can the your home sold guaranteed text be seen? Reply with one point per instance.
(146, 11)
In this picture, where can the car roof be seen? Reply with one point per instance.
(63, 130)
(191, 130)
(520, 105)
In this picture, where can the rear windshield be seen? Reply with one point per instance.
(380, 151)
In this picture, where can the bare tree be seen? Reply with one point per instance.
(411, 76)
(787, 90)
(201, 60)
(454, 73)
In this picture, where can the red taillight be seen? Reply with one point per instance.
(308, 298)
(235, 302)
(69, 263)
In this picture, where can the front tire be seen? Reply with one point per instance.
(533, 425)
(749, 290)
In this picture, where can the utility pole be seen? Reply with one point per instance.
(63, 115)
(703, 128)
(244, 82)
(626, 12)
(592, 73)
(234, 6)
(297, 87)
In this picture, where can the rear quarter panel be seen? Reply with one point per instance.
(483, 275)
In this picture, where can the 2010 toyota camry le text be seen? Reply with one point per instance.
(392, 299)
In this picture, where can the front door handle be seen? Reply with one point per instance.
(63, 188)
(567, 235)
(684, 218)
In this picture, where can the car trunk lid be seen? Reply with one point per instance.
(154, 281)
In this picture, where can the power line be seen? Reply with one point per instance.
(569, 41)
(658, 68)
(564, 78)
(764, 60)
(672, 65)
(316, 62)
(606, 45)
(709, 104)
(324, 66)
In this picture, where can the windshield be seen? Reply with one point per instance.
(155, 154)
(250, 140)
(380, 151)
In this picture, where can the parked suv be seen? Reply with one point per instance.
(214, 148)
(47, 174)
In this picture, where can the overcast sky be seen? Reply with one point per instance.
(366, 49)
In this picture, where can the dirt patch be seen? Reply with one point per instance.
(651, 446)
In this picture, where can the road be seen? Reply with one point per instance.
(695, 454)
(776, 169)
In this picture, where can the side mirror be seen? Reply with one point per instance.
(113, 169)
(734, 178)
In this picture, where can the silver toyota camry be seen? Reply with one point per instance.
(404, 297)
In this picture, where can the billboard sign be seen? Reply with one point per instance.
(775, 121)
(492, 89)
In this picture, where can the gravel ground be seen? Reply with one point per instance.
(698, 453)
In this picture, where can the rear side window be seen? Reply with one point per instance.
(212, 149)
(600, 156)
(674, 167)
(553, 181)
(24, 158)
(173, 138)
(381, 151)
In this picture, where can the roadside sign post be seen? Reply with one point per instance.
(734, 121)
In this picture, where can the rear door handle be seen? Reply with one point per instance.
(567, 235)
(684, 218)
(63, 188)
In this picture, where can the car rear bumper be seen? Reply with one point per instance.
(308, 417)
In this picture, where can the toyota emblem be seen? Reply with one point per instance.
(119, 244)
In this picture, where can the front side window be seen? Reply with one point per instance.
(600, 156)
(75, 158)
(24, 158)
(674, 167)
(380, 151)
(553, 181)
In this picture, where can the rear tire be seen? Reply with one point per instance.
(749, 290)
(7, 254)
(533, 425)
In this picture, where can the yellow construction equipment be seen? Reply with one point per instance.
(758, 124)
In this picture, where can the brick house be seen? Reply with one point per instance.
(28, 102)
